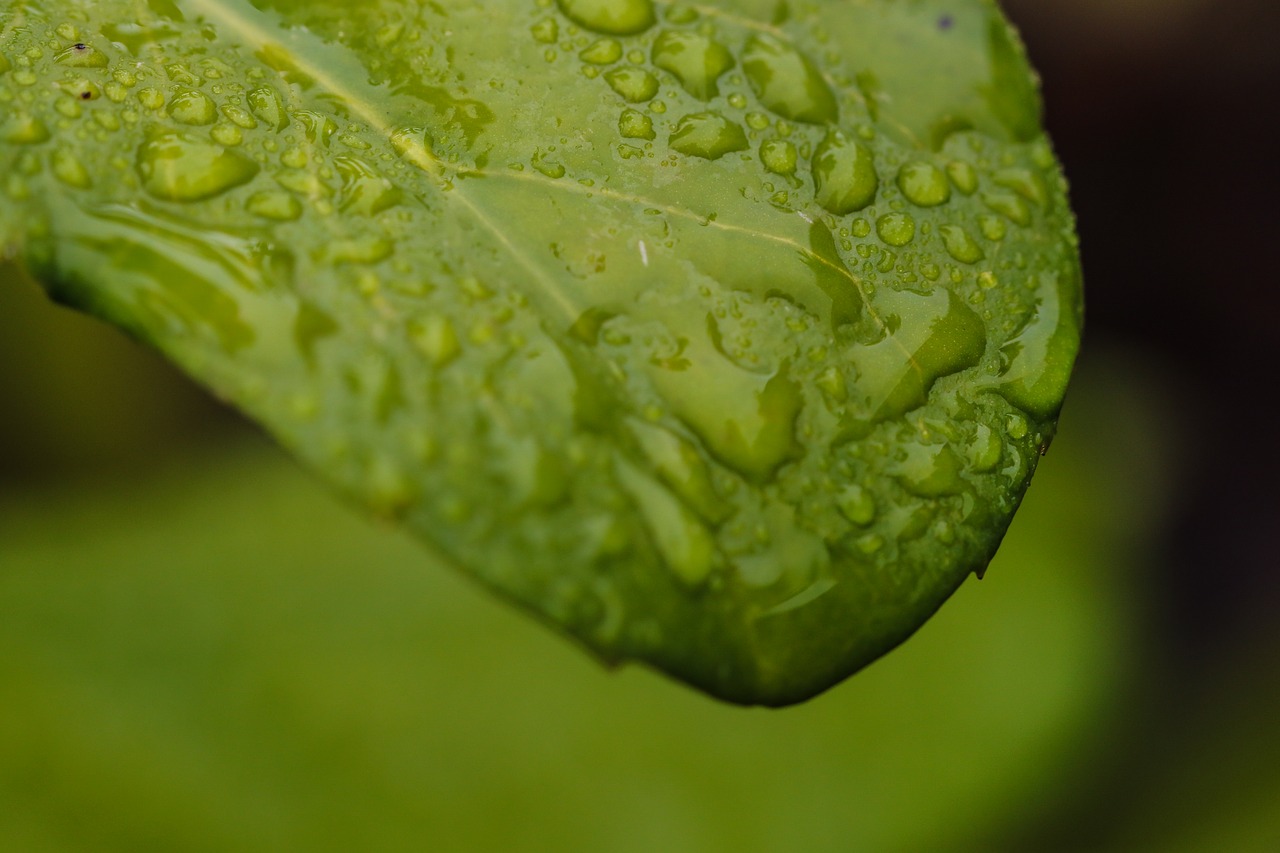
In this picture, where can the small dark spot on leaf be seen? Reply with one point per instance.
(86, 96)
(946, 22)
(81, 46)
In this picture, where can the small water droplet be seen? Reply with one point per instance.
(634, 124)
(363, 250)
(1010, 206)
(151, 98)
(602, 52)
(985, 450)
(364, 190)
(193, 107)
(960, 244)
(779, 156)
(964, 176)
(924, 184)
(266, 105)
(696, 60)
(896, 229)
(227, 134)
(82, 56)
(787, 83)
(68, 169)
(857, 505)
(930, 471)
(633, 84)
(993, 228)
(844, 173)
(614, 17)
(239, 117)
(274, 204)
(436, 339)
(24, 129)
(176, 167)
(546, 31)
(708, 135)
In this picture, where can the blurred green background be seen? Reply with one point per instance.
(201, 649)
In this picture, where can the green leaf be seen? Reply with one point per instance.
(725, 337)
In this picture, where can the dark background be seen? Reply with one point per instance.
(1163, 113)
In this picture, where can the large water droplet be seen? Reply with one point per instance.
(696, 61)
(633, 84)
(708, 135)
(193, 107)
(615, 17)
(787, 83)
(844, 172)
(1041, 354)
(924, 184)
(896, 374)
(176, 167)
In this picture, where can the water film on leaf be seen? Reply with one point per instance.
(724, 337)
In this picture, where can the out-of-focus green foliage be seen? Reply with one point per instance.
(724, 337)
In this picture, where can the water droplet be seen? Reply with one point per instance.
(68, 169)
(960, 244)
(778, 156)
(708, 135)
(546, 31)
(176, 167)
(151, 98)
(24, 129)
(239, 117)
(227, 134)
(985, 450)
(1042, 353)
(896, 229)
(844, 174)
(82, 56)
(436, 339)
(548, 165)
(193, 107)
(602, 52)
(364, 190)
(964, 176)
(367, 249)
(694, 59)
(614, 17)
(274, 204)
(787, 83)
(897, 373)
(857, 505)
(1010, 206)
(266, 105)
(685, 544)
(1025, 183)
(633, 84)
(924, 184)
(930, 471)
(992, 227)
(634, 124)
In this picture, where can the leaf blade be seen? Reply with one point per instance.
(657, 394)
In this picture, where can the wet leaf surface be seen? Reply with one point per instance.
(725, 337)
